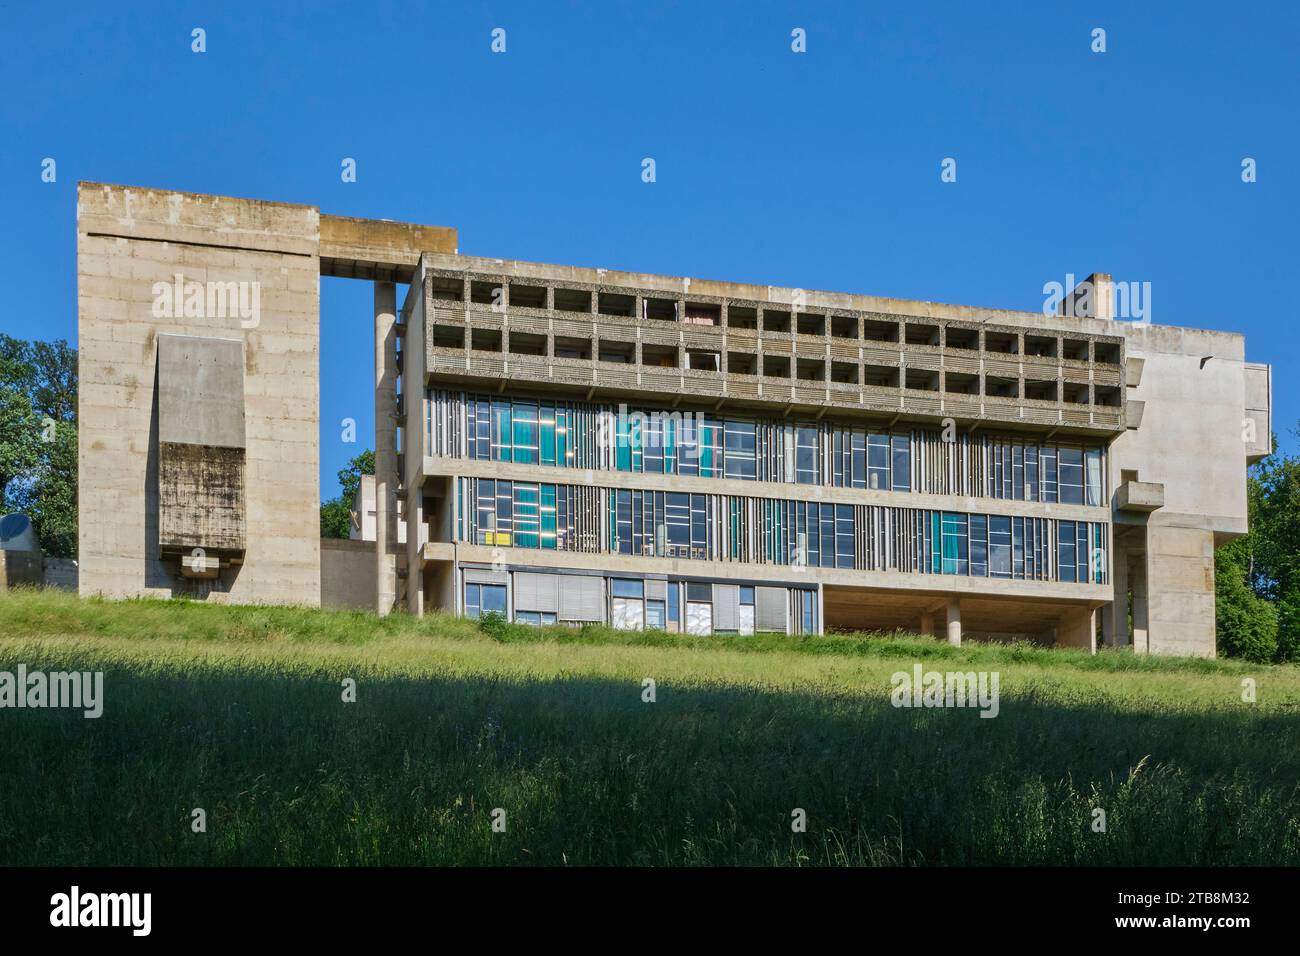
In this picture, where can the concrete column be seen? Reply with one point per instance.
(927, 624)
(385, 445)
(1115, 616)
(954, 623)
(415, 538)
(1137, 572)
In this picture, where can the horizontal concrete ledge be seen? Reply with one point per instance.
(378, 249)
(1143, 496)
(937, 585)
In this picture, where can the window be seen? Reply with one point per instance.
(955, 545)
(481, 599)
(1093, 471)
(535, 618)
(1071, 476)
(1067, 551)
(740, 446)
(627, 609)
(999, 546)
(807, 612)
(655, 615)
(674, 606)
(844, 536)
(902, 470)
(979, 546)
(806, 456)
(878, 462)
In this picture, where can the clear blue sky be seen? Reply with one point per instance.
(816, 170)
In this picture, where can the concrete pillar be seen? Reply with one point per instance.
(415, 538)
(385, 445)
(1115, 620)
(954, 623)
(1078, 628)
(927, 624)
(1137, 572)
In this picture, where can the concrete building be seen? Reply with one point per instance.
(570, 445)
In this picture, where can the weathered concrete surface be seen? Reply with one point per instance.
(61, 573)
(347, 574)
(131, 245)
(20, 568)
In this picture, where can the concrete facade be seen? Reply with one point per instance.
(859, 461)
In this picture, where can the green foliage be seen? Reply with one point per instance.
(1257, 576)
(38, 438)
(336, 519)
(495, 625)
(242, 705)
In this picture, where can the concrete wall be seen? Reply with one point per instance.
(347, 574)
(19, 568)
(61, 573)
(131, 244)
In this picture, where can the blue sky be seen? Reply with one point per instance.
(816, 170)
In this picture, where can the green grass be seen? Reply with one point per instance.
(237, 710)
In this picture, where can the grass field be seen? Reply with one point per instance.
(239, 711)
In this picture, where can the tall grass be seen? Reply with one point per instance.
(239, 711)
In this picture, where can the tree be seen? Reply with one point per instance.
(336, 519)
(38, 438)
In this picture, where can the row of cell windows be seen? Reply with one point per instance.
(733, 528)
(588, 436)
(686, 607)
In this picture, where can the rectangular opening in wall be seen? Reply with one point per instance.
(449, 336)
(701, 313)
(487, 292)
(572, 300)
(997, 387)
(665, 310)
(527, 343)
(571, 348)
(875, 330)
(1040, 346)
(702, 361)
(527, 296)
(1106, 353)
(958, 338)
(775, 320)
(810, 370)
(809, 323)
(659, 356)
(742, 317)
(922, 379)
(776, 366)
(742, 363)
(960, 383)
(1004, 342)
(446, 289)
(922, 333)
(881, 376)
(1076, 350)
(1075, 393)
(846, 373)
(622, 353)
(1038, 390)
(1108, 395)
(485, 340)
(844, 326)
(615, 303)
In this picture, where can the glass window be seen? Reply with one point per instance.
(1071, 476)
(979, 546)
(1094, 478)
(878, 462)
(527, 516)
(746, 595)
(674, 606)
(999, 546)
(740, 447)
(807, 458)
(901, 478)
(623, 587)
(955, 550)
(1066, 551)
(699, 591)
(844, 536)
(482, 598)
(655, 615)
